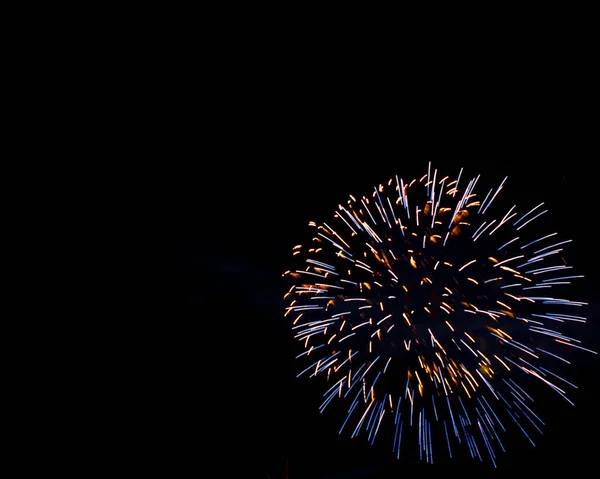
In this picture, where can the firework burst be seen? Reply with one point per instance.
(430, 309)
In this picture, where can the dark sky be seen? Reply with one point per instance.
(236, 225)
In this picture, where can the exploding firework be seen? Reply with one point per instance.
(430, 309)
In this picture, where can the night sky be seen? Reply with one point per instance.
(236, 223)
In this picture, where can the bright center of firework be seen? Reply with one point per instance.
(402, 298)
